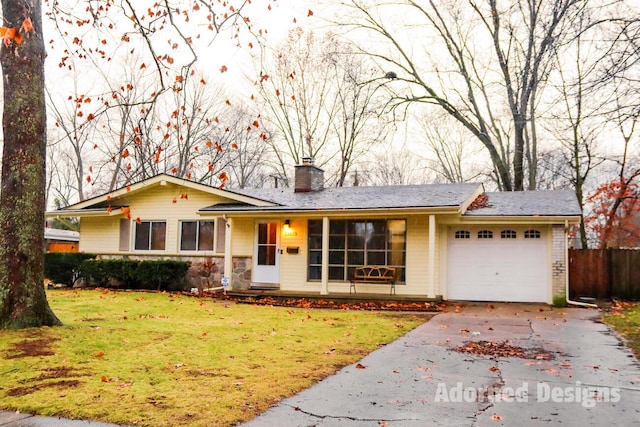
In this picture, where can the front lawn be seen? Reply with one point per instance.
(625, 319)
(158, 359)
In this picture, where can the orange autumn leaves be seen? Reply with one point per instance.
(10, 35)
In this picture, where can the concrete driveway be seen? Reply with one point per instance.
(571, 370)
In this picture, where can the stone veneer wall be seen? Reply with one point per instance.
(558, 262)
(241, 275)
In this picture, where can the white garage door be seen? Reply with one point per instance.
(498, 264)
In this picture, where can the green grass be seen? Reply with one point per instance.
(625, 320)
(157, 359)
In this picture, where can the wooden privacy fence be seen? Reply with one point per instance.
(604, 273)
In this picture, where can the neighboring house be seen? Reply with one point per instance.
(57, 240)
(449, 240)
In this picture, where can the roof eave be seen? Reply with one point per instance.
(71, 213)
(333, 212)
(555, 219)
(162, 180)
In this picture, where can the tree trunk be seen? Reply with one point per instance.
(23, 302)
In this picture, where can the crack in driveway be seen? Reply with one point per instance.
(346, 417)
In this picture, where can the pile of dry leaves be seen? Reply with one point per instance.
(341, 304)
(502, 349)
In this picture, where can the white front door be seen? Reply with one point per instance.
(266, 255)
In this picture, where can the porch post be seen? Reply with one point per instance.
(228, 252)
(431, 285)
(324, 285)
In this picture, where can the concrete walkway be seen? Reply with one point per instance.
(16, 419)
(419, 380)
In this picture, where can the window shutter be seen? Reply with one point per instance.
(125, 234)
(221, 232)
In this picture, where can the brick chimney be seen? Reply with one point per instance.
(308, 177)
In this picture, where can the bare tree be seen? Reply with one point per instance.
(576, 121)
(452, 156)
(393, 167)
(485, 65)
(318, 99)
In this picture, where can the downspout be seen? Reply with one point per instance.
(566, 263)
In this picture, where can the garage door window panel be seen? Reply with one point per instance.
(485, 234)
(508, 234)
(532, 234)
(462, 234)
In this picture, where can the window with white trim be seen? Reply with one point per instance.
(202, 235)
(354, 243)
(150, 235)
(196, 235)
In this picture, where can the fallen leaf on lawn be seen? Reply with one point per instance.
(104, 379)
(360, 366)
(99, 354)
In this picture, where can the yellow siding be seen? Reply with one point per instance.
(161, 203)
(100, 234)
(417, 276)
(242, 237)
(293, 267)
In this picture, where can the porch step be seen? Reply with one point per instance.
(334, 296)
(264, 286)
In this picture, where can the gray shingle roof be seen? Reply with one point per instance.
(529, 203)
(401, 196)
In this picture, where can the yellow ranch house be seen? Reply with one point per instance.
(450, 241)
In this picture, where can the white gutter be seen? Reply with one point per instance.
(566, 263)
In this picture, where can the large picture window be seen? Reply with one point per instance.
(196, 235)
(150, 235)
(354, 243)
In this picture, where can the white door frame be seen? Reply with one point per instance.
(266, 254)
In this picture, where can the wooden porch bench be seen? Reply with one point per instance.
(374, 274)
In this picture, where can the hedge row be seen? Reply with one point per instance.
(64, 267)
(130, 274)
(68, 267)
